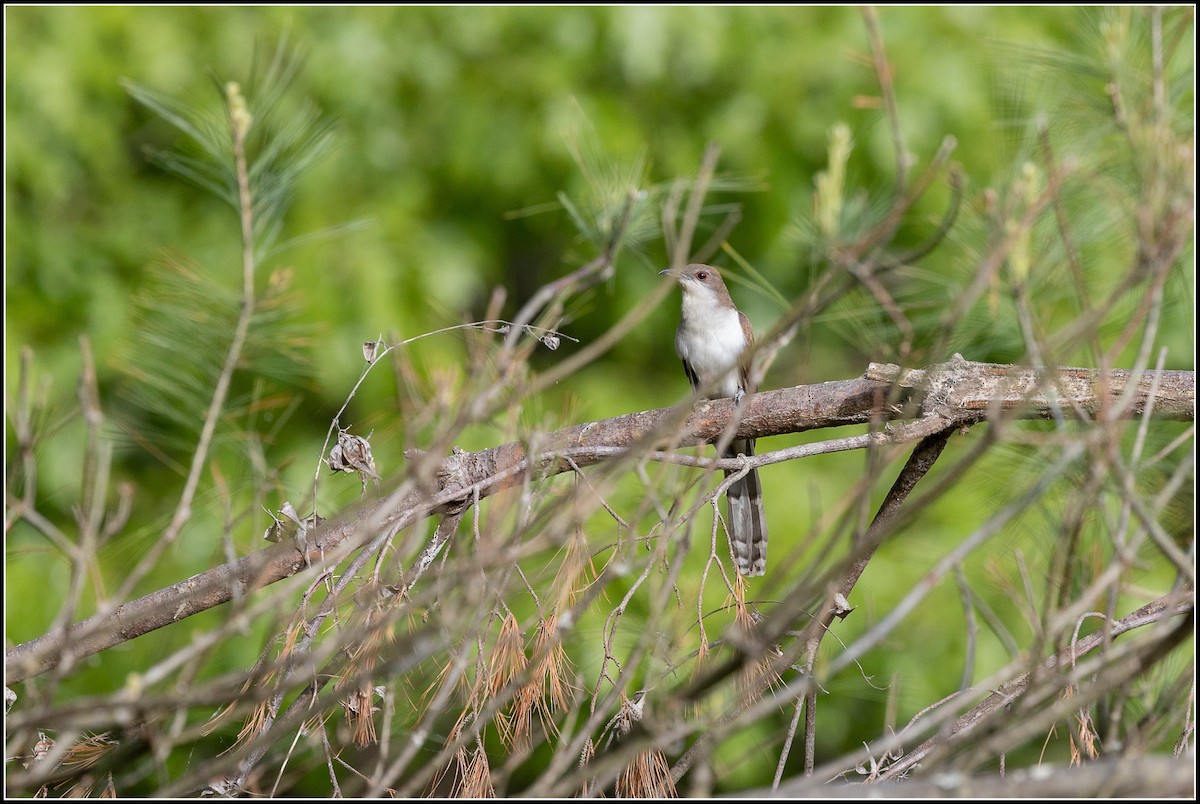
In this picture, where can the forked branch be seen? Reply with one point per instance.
(954, 394)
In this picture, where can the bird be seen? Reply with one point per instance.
(713, 341)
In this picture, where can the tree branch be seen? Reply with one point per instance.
(1111, 777)
(954, 394)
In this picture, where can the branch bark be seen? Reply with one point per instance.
(1119, 776)
(958, 393)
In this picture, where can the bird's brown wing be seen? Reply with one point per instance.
(748, 331)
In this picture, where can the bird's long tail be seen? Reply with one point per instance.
(747, 520)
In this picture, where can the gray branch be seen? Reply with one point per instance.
(956, 393)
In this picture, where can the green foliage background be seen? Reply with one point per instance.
(456, 132)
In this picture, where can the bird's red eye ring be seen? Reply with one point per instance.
(702, 275)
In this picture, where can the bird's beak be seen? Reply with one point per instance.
(671, 272)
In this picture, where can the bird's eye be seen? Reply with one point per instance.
(702, 275)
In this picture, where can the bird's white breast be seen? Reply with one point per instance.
(710, 339)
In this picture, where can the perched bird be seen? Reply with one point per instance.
(712, 340)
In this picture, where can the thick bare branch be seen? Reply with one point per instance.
(957, 393)
(1118, 776)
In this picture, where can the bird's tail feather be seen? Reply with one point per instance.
(747, 520)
